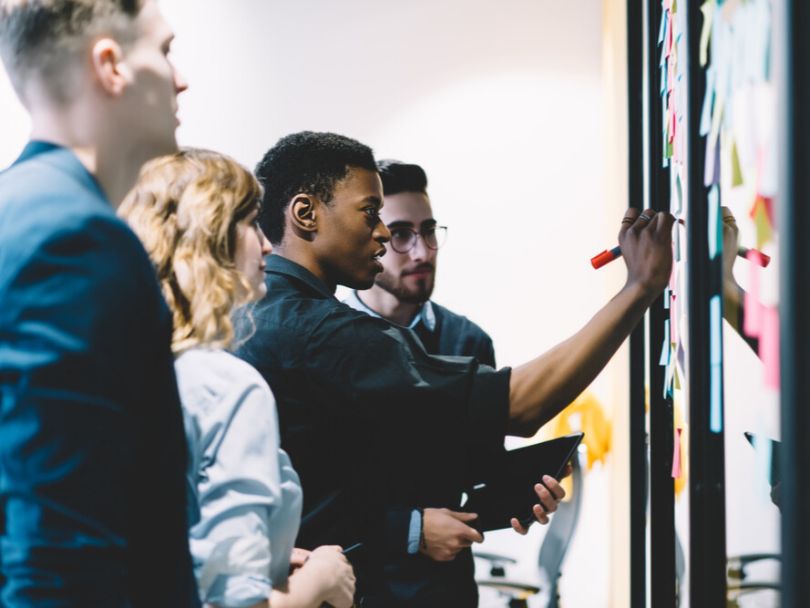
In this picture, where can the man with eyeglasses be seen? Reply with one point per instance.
(401, 292)
(377, 427)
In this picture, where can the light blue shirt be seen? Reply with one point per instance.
(249, 495)
(426, 314)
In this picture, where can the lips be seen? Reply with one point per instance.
(422, 270)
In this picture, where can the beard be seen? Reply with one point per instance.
(418, 294)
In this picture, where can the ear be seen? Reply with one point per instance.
(302, 215)
(108, 66)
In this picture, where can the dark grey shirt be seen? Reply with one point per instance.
(374, 424)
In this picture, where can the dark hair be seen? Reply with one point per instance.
(401, 177)
(36, 35)
(305, 163)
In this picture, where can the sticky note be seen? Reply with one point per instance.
(736, 170)
(665, 349)
(715, 330)
(769, 346)
(763, 218)
(715, 224)
(662, 27)
(708, 101)
(707, 8)
(716, 399)
(676, 454)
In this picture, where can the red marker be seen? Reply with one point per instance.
(607, 256)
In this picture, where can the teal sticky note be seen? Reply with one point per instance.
(667, 298)
(662, 28)
(715, 330)
(716, 399)
(715, 223)
(665, 349)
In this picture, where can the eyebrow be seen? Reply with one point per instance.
(406, 224)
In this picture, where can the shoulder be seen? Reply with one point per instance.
(216, 370)
(57, 212)
(459, 323)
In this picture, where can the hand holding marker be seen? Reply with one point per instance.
(608, 256)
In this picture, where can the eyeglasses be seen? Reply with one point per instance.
(404, 239)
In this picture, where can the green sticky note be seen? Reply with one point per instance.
(736, 171)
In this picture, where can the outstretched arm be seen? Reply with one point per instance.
(541, 388)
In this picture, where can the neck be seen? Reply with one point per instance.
(388, 306)
(303, 256)
(114, 165)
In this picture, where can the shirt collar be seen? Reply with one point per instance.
(62, 158)
(426, 314)
(277, 264)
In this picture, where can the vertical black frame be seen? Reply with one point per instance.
(638, 437)
(707, 518)
(662, 486)
(791, 53)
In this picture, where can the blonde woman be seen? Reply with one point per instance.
(196, 214)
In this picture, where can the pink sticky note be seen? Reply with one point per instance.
(769, 346)
(676, 454)
(752, 309)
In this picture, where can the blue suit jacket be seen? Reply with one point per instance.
(92, 449)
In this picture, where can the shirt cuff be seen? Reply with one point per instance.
(414, 532)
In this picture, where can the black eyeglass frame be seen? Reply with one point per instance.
(439, 235)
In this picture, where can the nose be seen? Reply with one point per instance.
(267, 246)
(381, 233)
(180, 83)
(419, 251)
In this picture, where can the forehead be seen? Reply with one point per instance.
(358, 185)
(409, 207)
(151, 25)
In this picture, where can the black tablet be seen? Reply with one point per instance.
(508, 489)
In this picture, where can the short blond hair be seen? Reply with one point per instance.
(185, 208)
(38, 37)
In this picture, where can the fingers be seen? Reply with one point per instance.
(540, 514)
(472, 535)
(461, 516)
(518, 527)
(644, 219)
(662, 223)
(628, 220)
(555, 488)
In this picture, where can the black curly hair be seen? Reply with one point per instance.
(309, 163)
(401, 177)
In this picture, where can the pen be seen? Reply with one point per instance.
(608, 256)
(352, 548)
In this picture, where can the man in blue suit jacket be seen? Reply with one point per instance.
(92, 450)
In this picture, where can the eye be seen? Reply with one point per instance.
(401, 233)
(372, 212)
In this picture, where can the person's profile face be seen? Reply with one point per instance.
(149, 104)
(350, 236)
(408, 275)
(251, 248)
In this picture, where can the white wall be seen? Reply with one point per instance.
(499, 101)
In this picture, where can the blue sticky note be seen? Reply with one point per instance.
(715, 330)
(665, 349)
(716, 400)
(667, 298)
(715, 223)
(669, 377)
(662, 28)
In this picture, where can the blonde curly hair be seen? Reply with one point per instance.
(185, 208)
